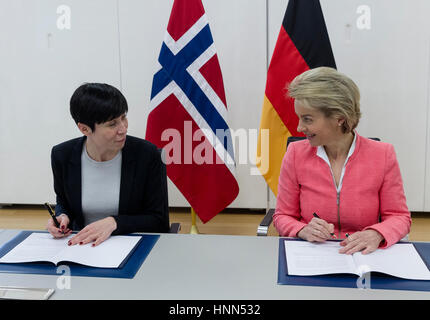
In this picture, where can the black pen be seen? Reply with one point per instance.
(318, 217)
(315, 215)
(52, 214)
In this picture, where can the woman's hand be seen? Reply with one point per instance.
(365, 241)
(61, 232)
(96, 232)
(317, 230)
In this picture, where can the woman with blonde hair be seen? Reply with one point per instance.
(337, 183)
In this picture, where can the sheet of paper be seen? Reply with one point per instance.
(43, 247)
(36, 247)
(400, 260)
(306, 259)
(109, 254)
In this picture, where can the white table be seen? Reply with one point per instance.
(200, 267)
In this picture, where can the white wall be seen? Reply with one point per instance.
(40, 66)
(118, 42)
(390, 64)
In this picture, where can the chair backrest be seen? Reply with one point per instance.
(294, 139)
(174, 227)
(164, 185)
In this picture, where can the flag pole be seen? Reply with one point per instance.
(267, 70)
(194, 229)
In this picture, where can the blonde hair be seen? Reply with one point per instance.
(329, 91)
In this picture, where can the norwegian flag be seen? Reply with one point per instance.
(188, 113)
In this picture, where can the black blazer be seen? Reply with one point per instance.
(143, 202)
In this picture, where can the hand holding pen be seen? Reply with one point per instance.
(329, 226)
(317, 230)
(57, 226)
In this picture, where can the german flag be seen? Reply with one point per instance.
(302, 44)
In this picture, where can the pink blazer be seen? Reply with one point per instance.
(372, 195)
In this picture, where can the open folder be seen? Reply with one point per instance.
(42, 247)
(308, 259)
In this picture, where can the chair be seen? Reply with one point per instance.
(264, 225)
(174, 227)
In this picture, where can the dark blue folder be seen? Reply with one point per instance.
(127, 269)
(377, 280)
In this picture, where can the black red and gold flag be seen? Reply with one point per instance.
(303, 43)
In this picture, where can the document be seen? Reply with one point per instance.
(400, 260)
(43, 247)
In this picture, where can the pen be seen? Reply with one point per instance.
(51, 213)
(317, 216)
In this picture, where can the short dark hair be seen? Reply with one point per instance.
(93, 103)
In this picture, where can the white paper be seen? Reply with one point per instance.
(36, 247)
(108, 254)
(308, 259)
(43, 247)
(400, 260)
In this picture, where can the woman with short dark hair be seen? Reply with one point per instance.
(106, 182)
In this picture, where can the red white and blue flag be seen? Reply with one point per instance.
(188, 113)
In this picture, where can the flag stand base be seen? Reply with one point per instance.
(194, 229)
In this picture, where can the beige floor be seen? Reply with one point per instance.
(241, 222)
